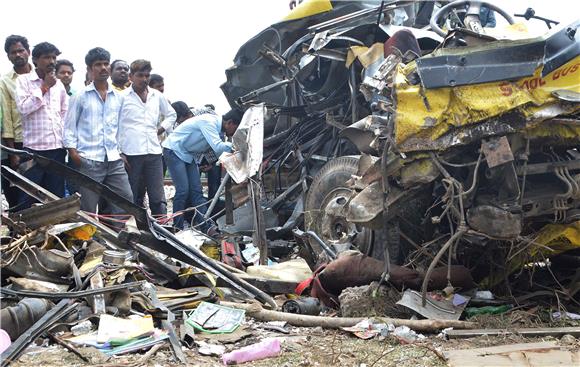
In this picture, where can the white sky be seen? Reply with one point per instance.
(190, 43)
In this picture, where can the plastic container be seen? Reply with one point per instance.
(264, 349)
(84, 327)
(487, 310)
(4, 340)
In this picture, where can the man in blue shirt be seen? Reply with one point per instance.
(90, 133)
(184, 146)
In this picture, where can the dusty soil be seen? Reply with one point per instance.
(302, 347)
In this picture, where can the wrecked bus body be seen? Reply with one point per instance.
(412, 144)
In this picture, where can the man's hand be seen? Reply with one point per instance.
(14, 161)
(205, 167)
(126, 162)
(49, 80)
(74, 157)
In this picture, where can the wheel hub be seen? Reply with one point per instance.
(336, 231)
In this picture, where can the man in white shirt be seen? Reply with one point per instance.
(138, 125)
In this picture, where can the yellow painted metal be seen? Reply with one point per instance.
(366, 55)
(557, 238)
(308, 8)
(551, 240)
(430, 113)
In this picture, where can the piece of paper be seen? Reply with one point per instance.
(116, 330)
(212, 318)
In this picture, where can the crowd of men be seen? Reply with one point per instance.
(123, 133)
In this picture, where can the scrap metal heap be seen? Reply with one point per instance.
(384, 167)
(421, 147)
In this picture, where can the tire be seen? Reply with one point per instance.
(330, 183)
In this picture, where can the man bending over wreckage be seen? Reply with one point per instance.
(182, 150)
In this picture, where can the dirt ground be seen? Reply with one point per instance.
(302, 347)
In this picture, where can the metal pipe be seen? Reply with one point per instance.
(216, 197)
(315, 237)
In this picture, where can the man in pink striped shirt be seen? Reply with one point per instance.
(42, 101)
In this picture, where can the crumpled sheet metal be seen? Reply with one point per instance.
(249, 146)
(366, 55)
(364, 133)
(367, 205)
(430, 113)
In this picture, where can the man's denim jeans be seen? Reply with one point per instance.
(188, 190)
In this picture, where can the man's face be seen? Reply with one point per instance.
(160, 86)
(65, 74)
(140, 79)
(100, 70)
(18, 55)
(46, 63)
(230, 128)
(120, 74)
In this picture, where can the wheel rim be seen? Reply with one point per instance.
(335, 230)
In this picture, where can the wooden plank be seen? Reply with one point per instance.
(515, 355)
(529, 332)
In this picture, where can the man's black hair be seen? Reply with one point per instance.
(62, 62)
(210, 106)
(181, 109)
(44, 48)
(155, 78)
(97, 54)
(116, 62)
(234, 114)
(14, 39)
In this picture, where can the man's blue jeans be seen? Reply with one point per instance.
(45, 178)
(188, 191)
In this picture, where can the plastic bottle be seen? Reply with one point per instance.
(487, 310)
(264, 349)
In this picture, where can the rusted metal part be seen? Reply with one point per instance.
(497, 151)
(508, 123)
(50, 213)
(495, 222)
